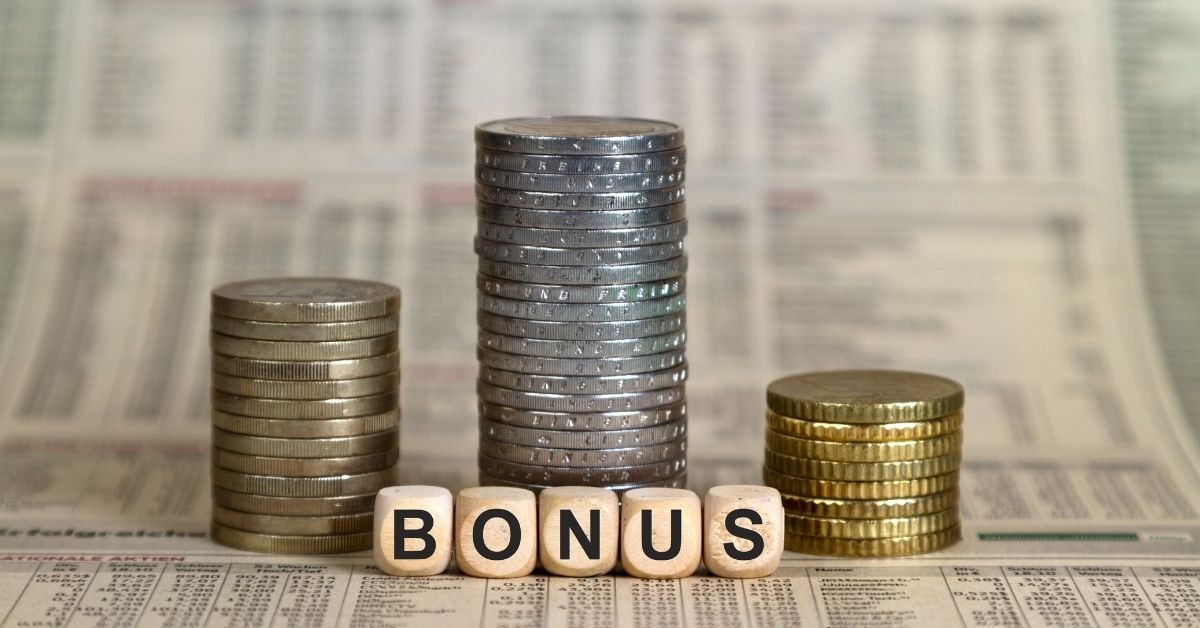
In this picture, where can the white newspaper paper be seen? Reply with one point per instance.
(957, 187)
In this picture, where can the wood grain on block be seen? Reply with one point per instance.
(422, 518)
(660, 532)
(495, 532)
(578, 530)
(743, 531)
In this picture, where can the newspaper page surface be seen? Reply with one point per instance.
(972, 189)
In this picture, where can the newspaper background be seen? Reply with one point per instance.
(1001, 192)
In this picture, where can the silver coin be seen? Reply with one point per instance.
(557, 293)
(573, 219)
(328, 486)
(578, 183)
(338, 447)
(587, 385)
(314, 370)
(544, 255)
(306, 428)
(584, 421)
(300, 351)
(306, 408)
(579, 439)
(581, 312)
(587, 404)
(579, 135)
(581, 238)
(679, 481)
(582, 164)
(292, 544)
(306, 299)
(304, 389)
(583, 458)
(648, 345)
(305, 332)
(295, 525)
(584, 275)
(603, 476)
(566, 330)
(293, 506)
(579, 202)
(580, 367)
(303, 467)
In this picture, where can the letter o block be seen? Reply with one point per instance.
(660, 532)
(413, 530)
(495, 531)
(577, 535)
(743, 531)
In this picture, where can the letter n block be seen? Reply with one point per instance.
(660, 532)
(578, 530)
(413, 530)
(495, 532)
(743, 531)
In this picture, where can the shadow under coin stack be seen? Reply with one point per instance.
(581, 302)
(867, 461)
(305, 412)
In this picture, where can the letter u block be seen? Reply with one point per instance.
(495, 532)
(578, 530)
(743, 531)
(413, 530)
(660, 532)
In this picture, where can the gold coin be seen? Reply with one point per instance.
(870, 508)
(862, 471)
(306, 428)
(333, 408)
(873, 548)
(306, 447)
(296, 351)
(850, 432)
(306, 300)
(292, 506)
(864, 452)
(303, 467)
(829, 527)
(865, 396)
(279, 486)
(275, 524)
(307, 370)
(306, 389)
(838, 489)
(305, 332)
(290, 544)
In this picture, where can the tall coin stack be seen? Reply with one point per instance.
(305, 412)
(581, 302)
(867, 461)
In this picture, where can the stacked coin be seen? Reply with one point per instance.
(867, 461)
(581, 302)
(305, 412)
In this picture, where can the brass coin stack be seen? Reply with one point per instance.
(867, 461)
(305, 412)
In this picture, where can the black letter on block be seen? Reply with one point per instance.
(514, 534)
(570, 527)
(676, 536)
(756, 540)
(398, 518)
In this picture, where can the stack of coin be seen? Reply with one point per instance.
(305, 412)
(581, 302)
(867, 461)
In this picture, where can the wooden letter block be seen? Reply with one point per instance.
(660, 532)
(578, 530)
(414, 527)
(495, 531)
(743, 531)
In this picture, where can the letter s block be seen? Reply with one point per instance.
(578, 530)
(413, 530)
(743, 531)
(495, 532)
(660, 532)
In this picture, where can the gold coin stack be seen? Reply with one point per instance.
(305, 412)
(867, 461)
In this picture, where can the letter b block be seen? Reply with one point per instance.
(660, 532)
(578, 532)
(495, 534)
(743, 531)
(413, 530)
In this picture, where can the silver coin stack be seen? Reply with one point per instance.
(305, 412)
(581, 303)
